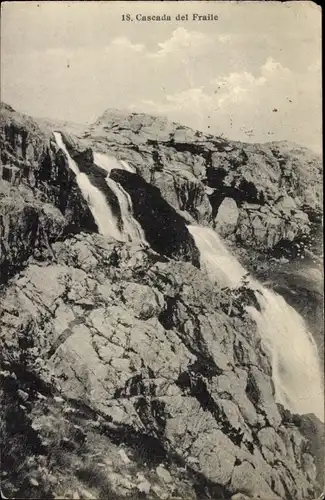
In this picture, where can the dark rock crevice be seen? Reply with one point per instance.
(169, 318)
(197, 387)
(164, 228)
(24, 233)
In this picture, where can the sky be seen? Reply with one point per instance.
(252, 75)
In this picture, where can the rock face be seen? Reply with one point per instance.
(39, 195)
(125, 372)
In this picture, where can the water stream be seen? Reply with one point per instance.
(296, 370)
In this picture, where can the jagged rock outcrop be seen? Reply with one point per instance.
(227, 217)
(265, 199)
(146, 345)
(270, 195)
(275, 188)
(27, 226)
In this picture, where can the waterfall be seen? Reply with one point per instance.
(132, 230)
(296, 368)
(100, 208)
(105, 219)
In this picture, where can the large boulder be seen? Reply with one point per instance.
(227, 217)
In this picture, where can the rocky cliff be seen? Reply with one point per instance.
(271, 193)
(126, 373)
(40, 199)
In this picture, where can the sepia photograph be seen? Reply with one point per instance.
(161, 250)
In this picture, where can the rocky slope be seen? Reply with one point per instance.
(32, 161)
(149, 347)
(264, 199)
(125, 372)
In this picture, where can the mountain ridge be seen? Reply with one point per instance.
(125, 113)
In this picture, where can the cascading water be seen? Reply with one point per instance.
(105, 219)
(132, 231)
(296, 369)
(101, 210)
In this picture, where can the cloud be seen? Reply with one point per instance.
(225, 38)
(275, 104)
(232, 88)
(189, 106)
(180, 101)
(272, 68)
(235, 87)
(75, 84)
(182, 40)
(213, 81)
(125, 43)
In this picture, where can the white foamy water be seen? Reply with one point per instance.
(108, 162)
(132, 230)
(296, 370)
(100, 208)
